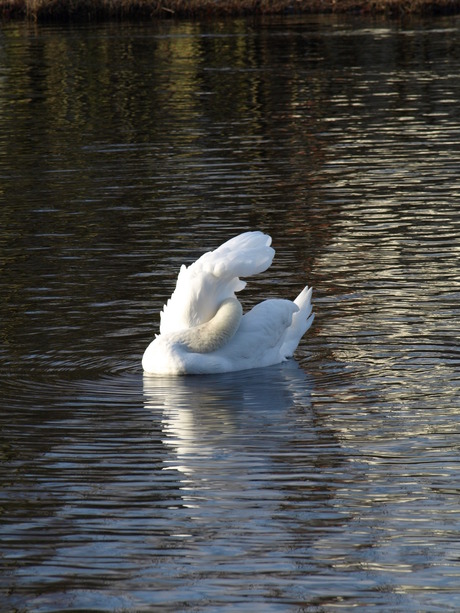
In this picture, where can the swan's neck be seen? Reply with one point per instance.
(216, 332)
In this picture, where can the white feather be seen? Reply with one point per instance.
(203, 286)
(201, 330)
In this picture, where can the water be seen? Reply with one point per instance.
(327, 483)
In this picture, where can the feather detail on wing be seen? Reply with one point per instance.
(214, 277)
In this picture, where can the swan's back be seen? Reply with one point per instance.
(213, 278)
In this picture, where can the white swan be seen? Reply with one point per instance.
(203, 329)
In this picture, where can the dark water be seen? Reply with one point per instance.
(328, 483)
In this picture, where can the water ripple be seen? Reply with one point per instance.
(327, 482)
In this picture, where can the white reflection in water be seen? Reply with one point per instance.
(228, 432)
(244, 447)
(204, 416)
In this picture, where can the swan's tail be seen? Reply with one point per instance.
(301, 321)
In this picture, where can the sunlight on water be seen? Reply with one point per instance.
(328, 482)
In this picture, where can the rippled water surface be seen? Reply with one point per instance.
(328, 483)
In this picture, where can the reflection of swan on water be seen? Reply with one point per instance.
(202, 326)
(230, 464)
(214, 424)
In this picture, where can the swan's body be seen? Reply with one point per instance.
(202, 327)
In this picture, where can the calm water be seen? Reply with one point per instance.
(328, 483)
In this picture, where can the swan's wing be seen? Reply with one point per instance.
(271, 331)
(202, 287)
(262, 331)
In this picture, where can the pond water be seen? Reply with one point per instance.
(327, 483)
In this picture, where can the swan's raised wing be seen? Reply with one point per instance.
(215, 276)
